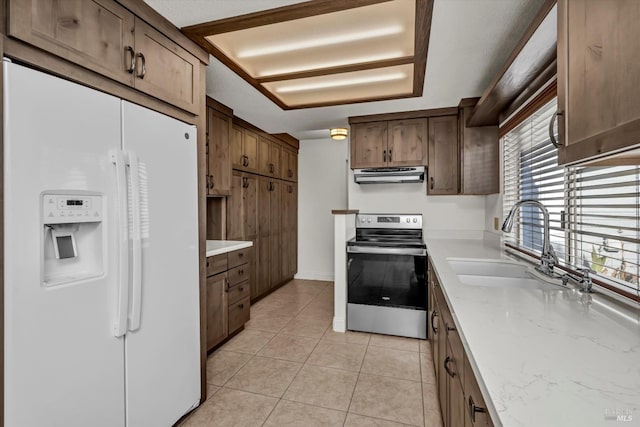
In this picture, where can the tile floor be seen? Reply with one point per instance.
(288, 368)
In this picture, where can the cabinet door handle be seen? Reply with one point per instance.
(431, 182)
(473, 409)
(240, 305)
(390, 155)
(552, 136)
(227, 284)
(143, 66)
(434, 314)
(446, 366)
(213, 182)
(384, 156)
(290, 173)
(132, 60)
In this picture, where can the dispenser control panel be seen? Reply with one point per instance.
(71, 208)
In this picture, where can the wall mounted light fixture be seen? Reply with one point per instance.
(339, 133)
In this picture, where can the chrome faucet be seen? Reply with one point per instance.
(585, 280)
(548, 259)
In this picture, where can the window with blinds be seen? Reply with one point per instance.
(531, 171)
(594, 211)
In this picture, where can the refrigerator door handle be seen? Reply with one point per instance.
(122, 305)
(136, 270)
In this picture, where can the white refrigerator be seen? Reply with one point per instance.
(101, 301)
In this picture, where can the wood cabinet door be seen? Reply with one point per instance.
(217, 309)
(96, 34)
(264, 223)
(275, 160)
(218, 130)
(293, 245)
(598, 74)
(443, 171)
(275, 255)
(369, 145)
(407, 142)
(250, 206)
(250, 150)
(235, 208)
(456, 395)
(237, 151)
(285, 166)
(165, 70)
(293, 165)
(285, 227)
(476, 413)
(264, 156)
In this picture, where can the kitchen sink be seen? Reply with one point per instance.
(488, 267)
(495, 273)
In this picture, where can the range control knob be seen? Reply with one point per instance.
(415, 219)
(408, 220)
(369, 220)
(361, 219)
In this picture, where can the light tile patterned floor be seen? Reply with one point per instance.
(288, 368)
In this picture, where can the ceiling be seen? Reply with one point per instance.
(469, 43)
(342, 52)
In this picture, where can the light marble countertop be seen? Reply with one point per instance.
(548, 356)
(217, 247)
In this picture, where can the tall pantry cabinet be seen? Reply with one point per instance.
(262, 204)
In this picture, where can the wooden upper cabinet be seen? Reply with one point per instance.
(104, 37)
(443, 171)
(275, 160)
(369, 145)
(480, 161)
(165, 70)
(96, 34)
(598, 74)
(264, 156)
(244, 149)
(407, 142)
(289, 165)
(219, 161)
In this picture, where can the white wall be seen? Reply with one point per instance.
(439, 213)
(322, 186)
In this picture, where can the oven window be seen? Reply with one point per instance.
(388, 280)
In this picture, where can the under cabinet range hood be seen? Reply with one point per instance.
(389, 175)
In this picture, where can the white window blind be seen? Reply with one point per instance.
(604, 222)
(594, 211)
(531, 171)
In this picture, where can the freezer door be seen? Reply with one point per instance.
(162, 346)
(62, 364)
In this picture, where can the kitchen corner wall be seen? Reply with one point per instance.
(322, 186)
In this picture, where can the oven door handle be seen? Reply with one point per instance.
(376, 250)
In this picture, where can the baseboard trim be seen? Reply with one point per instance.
(309, 275)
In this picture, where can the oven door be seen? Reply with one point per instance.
(388, 277)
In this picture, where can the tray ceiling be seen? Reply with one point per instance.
(326, 52)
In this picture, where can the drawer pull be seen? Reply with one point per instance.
(473, 409)
(241, 289)
(241, 254)
(449, 328)
(240, 305)
(446, 367)
(241, 272)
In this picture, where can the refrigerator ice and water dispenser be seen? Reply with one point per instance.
(72, 244)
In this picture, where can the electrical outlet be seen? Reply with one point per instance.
(496, 223)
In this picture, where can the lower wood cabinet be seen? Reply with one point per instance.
(228, 294)
(461, 401)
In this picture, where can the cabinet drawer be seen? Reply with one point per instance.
(238, 274)
(239, 257)
(238, 314)
(239, 291)
(216, 264)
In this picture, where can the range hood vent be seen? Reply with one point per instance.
(389, 175)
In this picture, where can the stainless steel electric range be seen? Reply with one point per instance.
(387, 276)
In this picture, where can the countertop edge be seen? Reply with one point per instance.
(229, 246)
